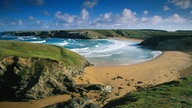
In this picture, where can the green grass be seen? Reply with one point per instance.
(175, 94)
(22, 49)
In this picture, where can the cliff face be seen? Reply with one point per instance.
(34, 78)
(183, 43)
(26, 78)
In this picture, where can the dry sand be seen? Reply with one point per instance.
(124, 79)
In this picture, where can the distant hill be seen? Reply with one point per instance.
(99, 33)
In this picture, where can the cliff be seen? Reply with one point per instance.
(182, 43)
(32, 71)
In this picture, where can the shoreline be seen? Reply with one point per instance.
(124, 79)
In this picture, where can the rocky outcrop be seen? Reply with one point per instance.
(183, 43)
(33, 71)
(34, 78)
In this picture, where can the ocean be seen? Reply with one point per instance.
(100, 52)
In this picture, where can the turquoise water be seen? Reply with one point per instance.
(98, 51)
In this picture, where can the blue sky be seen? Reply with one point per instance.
(95, 14)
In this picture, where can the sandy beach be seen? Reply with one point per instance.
(125, 79)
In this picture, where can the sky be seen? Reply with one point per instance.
(167, 15)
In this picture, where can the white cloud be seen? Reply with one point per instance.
(152, 20)
(175, 18)
(67, 18)
(144, 20)
(191, 12)
(156, 19)
(84, 14)
(103, 19)
(107, 15)
(64, 20)
(128, 19)
(145, 12)
(120, 20)
(90, 4)
(166, 8)
(125, 19)
(183, 4)
(127, 16)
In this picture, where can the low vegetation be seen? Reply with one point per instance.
(175, 94)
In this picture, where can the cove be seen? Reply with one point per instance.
(100, 52)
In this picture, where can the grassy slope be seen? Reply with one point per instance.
(175, 94)
(21, 49)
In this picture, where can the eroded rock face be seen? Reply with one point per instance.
(33, 78)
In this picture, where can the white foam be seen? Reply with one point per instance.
(111, 47)
(104, 50)
(27, 38)
(61, 44)
(81, 49)
(99, 55)
(156, 53)
(21, 38)
(42, 41)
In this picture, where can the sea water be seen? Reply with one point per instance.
(97, 51)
